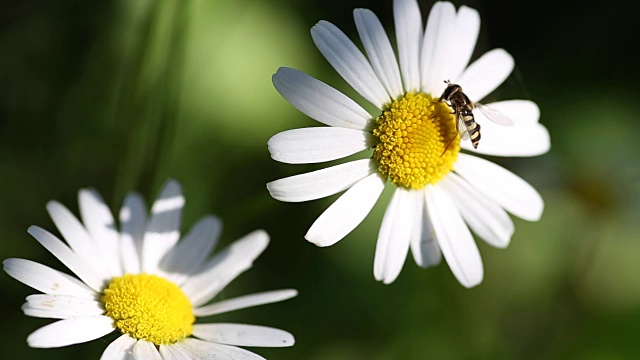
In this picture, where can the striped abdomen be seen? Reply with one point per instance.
(472, 126)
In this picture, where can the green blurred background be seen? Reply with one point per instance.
(122, 95)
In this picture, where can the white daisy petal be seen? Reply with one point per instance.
(133, 223)
(145, 350)
(190, 253)
(512, 141)
(408, 23)
(245, 302)
(319, 101)
(71, 331)
(379, 50)
(237, 353)
(163, 230)
(486, 74)
(60, 306)
(71, 260)
(317, 144)
(483, 215)
(243, 335)
(78, 238)
(454, 238)
(321, 183)
(525, 138)
(437, 48)
(349, 62)
(224, 267)
(119, 349)
(172, 352)
(198, 349)
(395, 235)
(521, 112)
(419, 230)
(347, 212)
(502, 186)
(463, 42)
(424, 245)
(46, 279)
(97, 218)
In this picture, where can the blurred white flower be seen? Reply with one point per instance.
(142, 282)
(440, 192)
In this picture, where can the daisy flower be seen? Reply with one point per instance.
(142, 282)
(440, 192)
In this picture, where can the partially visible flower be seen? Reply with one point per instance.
(440, 192)
(143, 283)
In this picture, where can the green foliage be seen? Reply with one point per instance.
(122, 95)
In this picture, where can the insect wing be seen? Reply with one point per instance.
(462, 127)
(494, 115)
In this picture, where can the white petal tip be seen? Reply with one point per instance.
(289, 293)
(321, 23)
(360, 11)
(34, 343)
(538, 215)
(472, 279)
(534, 217)
(473, 284)
(389, 281)
(502, 52)
(289, 342)
(211, 220)
(171, 187)
(429, 262)
(172, 182)
(318, 240)
(281, 72)
(386, 279)
(504, 240)
(536, 210)
(260, 237)
(270, 188)
(468, 11)
(37, 342)
(87, 192)
(34, 229)
(284, 69)
(53, 205)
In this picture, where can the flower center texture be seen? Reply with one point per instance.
(418, 141)
(149, 307)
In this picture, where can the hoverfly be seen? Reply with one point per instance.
(463, 108)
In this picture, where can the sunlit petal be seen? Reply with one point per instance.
(318, 100)
(347, 212)
(349, 62)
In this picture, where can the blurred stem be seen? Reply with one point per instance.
(173, 85)
(150, 96)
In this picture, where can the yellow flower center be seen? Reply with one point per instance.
(149, 307)
(418, 141)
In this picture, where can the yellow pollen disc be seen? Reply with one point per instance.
(149, 307)
(418, 141)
